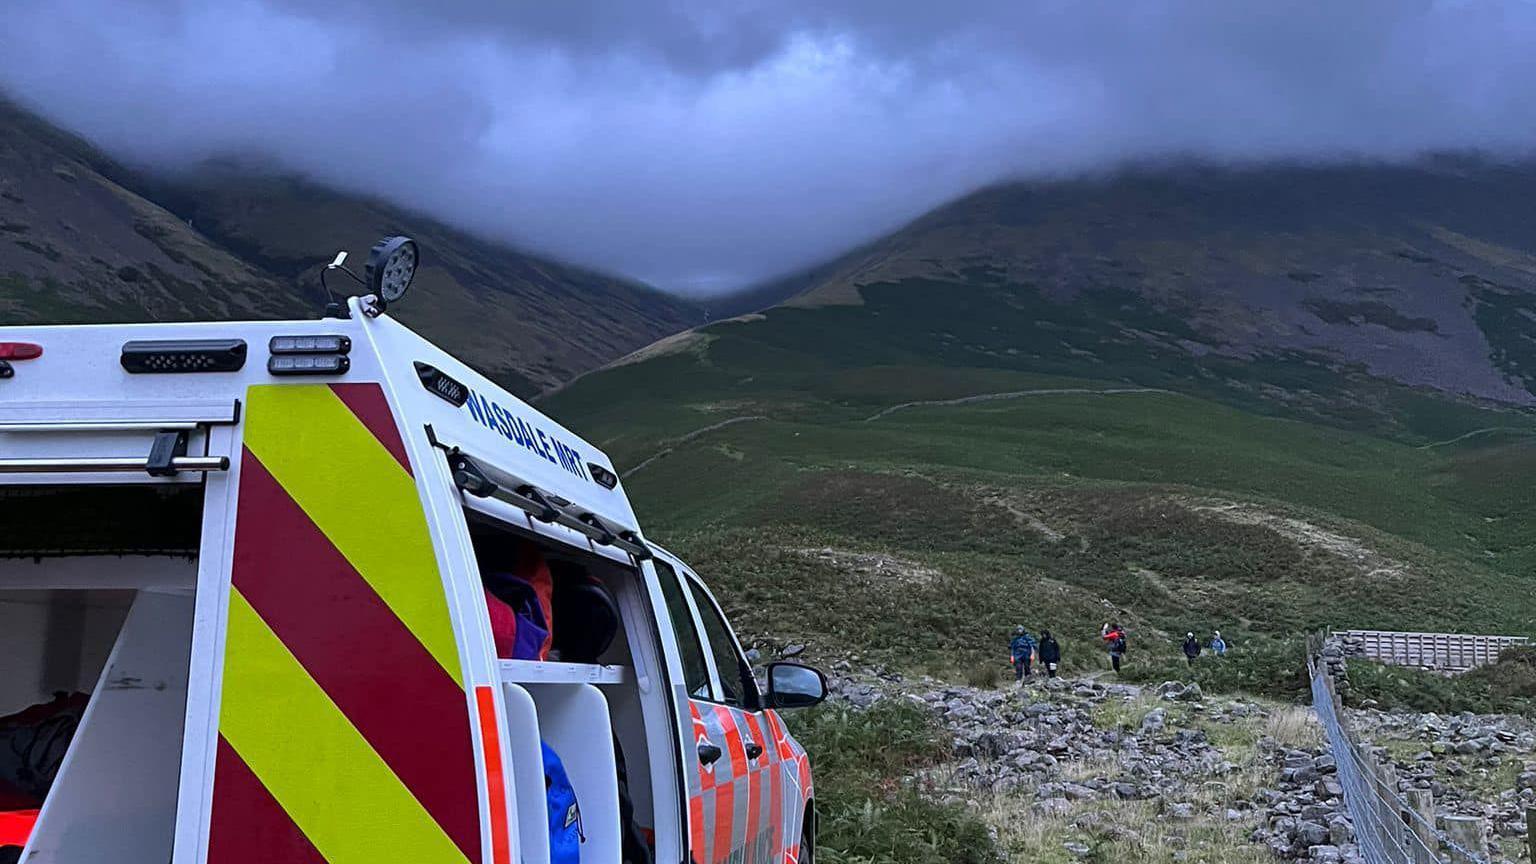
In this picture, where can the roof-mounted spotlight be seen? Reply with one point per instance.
(391, 267)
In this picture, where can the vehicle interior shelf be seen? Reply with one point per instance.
(555, 672)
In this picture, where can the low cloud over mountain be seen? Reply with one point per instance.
(703, 144)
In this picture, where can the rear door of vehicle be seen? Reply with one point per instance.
(157, 734)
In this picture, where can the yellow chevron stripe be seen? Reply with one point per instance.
(337, 790)
(361, 499)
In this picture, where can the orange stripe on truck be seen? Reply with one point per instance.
(725, 793)
(495, 776)
(755, 774)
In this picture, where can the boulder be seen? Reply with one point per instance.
(1052, 807)
(1309, 834)
(1325, 854)
(1340, 831)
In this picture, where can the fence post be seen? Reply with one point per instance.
(1386, 810)
(1530, 833)
(1466, 832)
(1422, 802)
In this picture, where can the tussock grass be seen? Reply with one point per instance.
(1124, 831)
(1125, 713)
(1144, 832)
(1294, 726)
(985, 676)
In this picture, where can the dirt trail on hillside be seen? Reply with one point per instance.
(1366, 559)
(1016, 394)
(1474, 433)
(676, 442)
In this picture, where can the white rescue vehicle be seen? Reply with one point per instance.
(244, 573)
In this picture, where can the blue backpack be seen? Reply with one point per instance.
(565, 834)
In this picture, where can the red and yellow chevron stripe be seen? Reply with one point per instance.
(344, 727)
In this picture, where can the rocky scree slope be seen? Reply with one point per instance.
(1069, 770)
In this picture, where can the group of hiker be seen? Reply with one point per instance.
(1023, 649)
(1192, 646)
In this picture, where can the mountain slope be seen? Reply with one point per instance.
(911, 514)
(85, 239)
(981, 422)
(1417, 274)
(513, 314)
(76, 246)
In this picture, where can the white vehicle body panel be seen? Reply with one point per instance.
(77, 402)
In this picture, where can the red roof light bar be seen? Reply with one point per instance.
(20, 351)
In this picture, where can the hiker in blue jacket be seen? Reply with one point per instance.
(1021, 648)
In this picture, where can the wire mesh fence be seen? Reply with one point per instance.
(1392, 826)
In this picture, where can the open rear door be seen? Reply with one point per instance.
(113, 543)
(346, 725)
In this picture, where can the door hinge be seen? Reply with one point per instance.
(163, 452)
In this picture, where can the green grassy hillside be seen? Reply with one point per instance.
(783, 456)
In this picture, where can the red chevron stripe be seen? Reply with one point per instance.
(359, 652)
(248, 826)
(367, 402)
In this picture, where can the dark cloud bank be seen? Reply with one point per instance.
(702, 144)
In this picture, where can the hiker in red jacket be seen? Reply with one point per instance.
(1114, 640)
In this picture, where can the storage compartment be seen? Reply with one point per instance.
(96, 632)
(592, 714)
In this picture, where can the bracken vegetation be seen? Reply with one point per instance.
(866, 813)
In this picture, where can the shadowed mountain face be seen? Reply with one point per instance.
(1418, 275)
(526, 321)
(83, 239)
(77, 246)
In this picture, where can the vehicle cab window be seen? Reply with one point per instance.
(689, 645)
(737, 685)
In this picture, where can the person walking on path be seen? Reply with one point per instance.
(1021, 649)
(1114, 640)
(1050, 653)
(1218, 644)
(1191, 648)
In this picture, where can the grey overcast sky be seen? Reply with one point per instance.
(705, 144)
